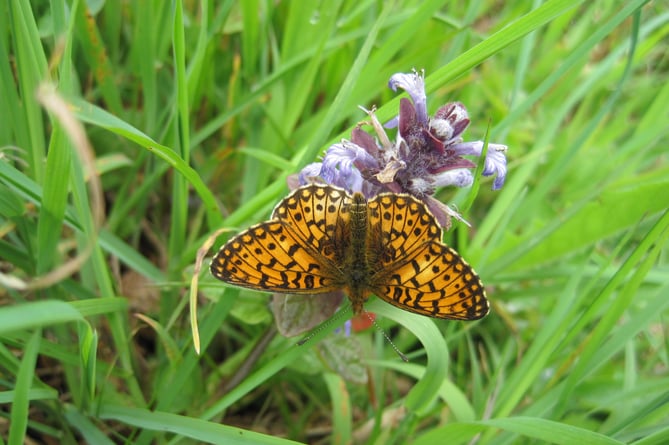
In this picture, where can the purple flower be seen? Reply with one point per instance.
(428, 153)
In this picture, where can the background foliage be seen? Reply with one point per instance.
(197, 111)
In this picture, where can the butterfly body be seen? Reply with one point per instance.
(321, 239)
(360, 255)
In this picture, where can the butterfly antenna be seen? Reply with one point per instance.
(380, 329)
(322, 326)
(337, 316)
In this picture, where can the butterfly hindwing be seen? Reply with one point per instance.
(434, 281)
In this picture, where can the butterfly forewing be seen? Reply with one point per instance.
(280, 255)
(318, 217)
(402, 222)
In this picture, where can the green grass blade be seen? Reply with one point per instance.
(24, 379)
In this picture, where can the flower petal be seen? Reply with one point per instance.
(460, 177)
(414, 84)
(495, 161)
(450, 121)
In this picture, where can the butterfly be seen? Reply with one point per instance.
(322, 239)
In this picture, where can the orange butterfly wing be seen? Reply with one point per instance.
(417, 272)
(288, 253)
